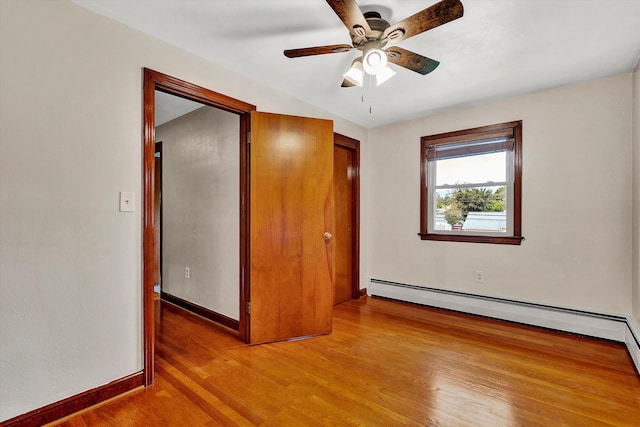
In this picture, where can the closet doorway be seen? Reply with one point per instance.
(346, 181)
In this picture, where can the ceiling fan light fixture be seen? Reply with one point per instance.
(374, 61)
(355, 74)
(383, 75)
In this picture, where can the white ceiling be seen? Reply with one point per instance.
(169, 107)
(499, 48)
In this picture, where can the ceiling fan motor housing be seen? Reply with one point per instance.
(363, 41)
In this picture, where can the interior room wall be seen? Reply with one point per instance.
(201, 209)
(636, 194)
(70, 141)
(576, 208)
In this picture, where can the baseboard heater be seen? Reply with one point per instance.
(605, 326)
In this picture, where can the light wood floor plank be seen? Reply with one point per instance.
(386, 363)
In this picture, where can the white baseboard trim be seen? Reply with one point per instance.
(610, 327)
(632, 340)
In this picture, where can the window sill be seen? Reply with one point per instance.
(498, 240)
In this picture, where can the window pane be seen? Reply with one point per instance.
(474, 209)
(472, 169)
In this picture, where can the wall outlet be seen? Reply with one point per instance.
(479, 276)
(187, 272)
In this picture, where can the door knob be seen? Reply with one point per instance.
(327, 235)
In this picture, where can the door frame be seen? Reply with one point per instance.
(354, 145)
(153, 81)
(158, 150)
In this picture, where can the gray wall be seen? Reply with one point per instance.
(200, 216)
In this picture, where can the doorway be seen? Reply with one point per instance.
(200, 204)
(153, 82)
(346, 179)
(286, 218)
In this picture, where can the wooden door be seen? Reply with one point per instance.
(291, 212)
(345, 163)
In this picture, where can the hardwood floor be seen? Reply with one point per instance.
(386, 363)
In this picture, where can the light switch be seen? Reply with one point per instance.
(127, 201)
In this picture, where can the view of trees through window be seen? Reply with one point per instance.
(456, 203)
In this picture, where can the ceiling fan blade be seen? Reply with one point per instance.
(318, 50)
(431, 17)
(350, 15)
(411, 61)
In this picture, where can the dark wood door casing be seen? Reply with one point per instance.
(351, 150)
(353, 146)
(153, 81)
(157, 213)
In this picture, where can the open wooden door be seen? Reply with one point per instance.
(291, 227)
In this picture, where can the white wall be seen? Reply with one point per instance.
(576, 202)
(70, 140)
(201, 209)
(636, 194)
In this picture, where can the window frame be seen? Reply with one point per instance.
(513, 131)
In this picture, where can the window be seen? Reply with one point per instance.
(471, 185)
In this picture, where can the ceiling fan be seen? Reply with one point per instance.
(370, 34)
